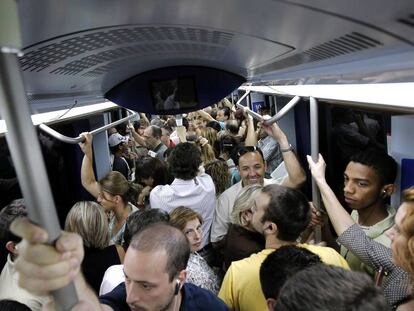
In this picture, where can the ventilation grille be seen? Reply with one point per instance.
(408, 21)
(350, 43)
(152, 39)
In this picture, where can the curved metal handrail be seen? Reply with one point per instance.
(79, 139)
(283, 111)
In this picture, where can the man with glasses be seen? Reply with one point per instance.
(252, 168)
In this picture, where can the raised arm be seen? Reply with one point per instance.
(87, 175)
(138, 138)
(43, 268)
(339, 217)
(296, 174)
(205, 115)
(251, 137)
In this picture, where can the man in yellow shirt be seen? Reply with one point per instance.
(281, 214)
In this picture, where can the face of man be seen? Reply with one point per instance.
(147, 282)
(165, 137)
(150, 141)
(362, 186)
(252, 168)
(261, 202)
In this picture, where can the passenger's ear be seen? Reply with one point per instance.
(271, 302)
(182, 276)
(11, 247)
(388, 190)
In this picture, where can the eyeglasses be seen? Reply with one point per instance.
(192, 232)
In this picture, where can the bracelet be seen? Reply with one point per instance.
(290, 148)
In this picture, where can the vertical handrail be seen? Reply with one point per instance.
(314, 131)
(27, 157)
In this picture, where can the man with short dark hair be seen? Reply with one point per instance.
(281, 214)
(323, 287)
(189, 188)
(118, 145)
(151, 138)
(368, 183)
(9, 287)
(252, 167)
(157, 283)
(279, 266)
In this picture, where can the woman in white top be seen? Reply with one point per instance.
(113, 192)
(198, 271)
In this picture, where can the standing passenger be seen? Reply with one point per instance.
(118, 145)
(113, 192)
(187, 189)
(252, 168)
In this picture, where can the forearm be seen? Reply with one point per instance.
(88, 178)
(296, 174)
(339, 217)
(144, 117)
(206, 116)
(251, 138)
(86, 294)
(138, 139)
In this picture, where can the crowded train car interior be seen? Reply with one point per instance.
(321, 69)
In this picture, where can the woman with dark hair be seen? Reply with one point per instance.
(150, 172)
(89, 220)
(113, 192)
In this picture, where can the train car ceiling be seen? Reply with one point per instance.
(87, 50)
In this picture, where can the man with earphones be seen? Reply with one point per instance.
(368, 183)
(281, 214)
(154, 268)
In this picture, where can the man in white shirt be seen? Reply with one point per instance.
(252, 168)
(188, 189)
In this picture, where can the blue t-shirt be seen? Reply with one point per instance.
(193, 298)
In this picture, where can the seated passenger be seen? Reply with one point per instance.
(242, 239)
(322, 287)
(396, 286)
(252, 168)
(198, 271)
(281, 214)
(9, 286)
(279, 266)
(187, 189)
(88, 219)
(156, 283)
(113, 192)
(118, 145)
(136, 222)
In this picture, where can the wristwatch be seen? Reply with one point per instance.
(290, 148)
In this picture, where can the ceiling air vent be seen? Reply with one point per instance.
(408, 21)
(350, 43)
(114, 44)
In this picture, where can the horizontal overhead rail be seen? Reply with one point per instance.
(273, 119)
(394, 97)
(79, 139)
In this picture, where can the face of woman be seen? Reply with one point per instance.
(398, 240)
(192, 231)
(106, 200)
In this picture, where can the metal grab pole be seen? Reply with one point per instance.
(28, 160)
(314, 131)
(284, 110)
(252, 113)
(80, 139)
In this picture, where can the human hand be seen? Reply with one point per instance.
(274, 131)
(86, 145)
(318, 217)
(317, 168)
(43, 268)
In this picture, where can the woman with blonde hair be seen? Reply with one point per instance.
(198, 271)
(242, 240)
(113, 192)
(89, 220)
